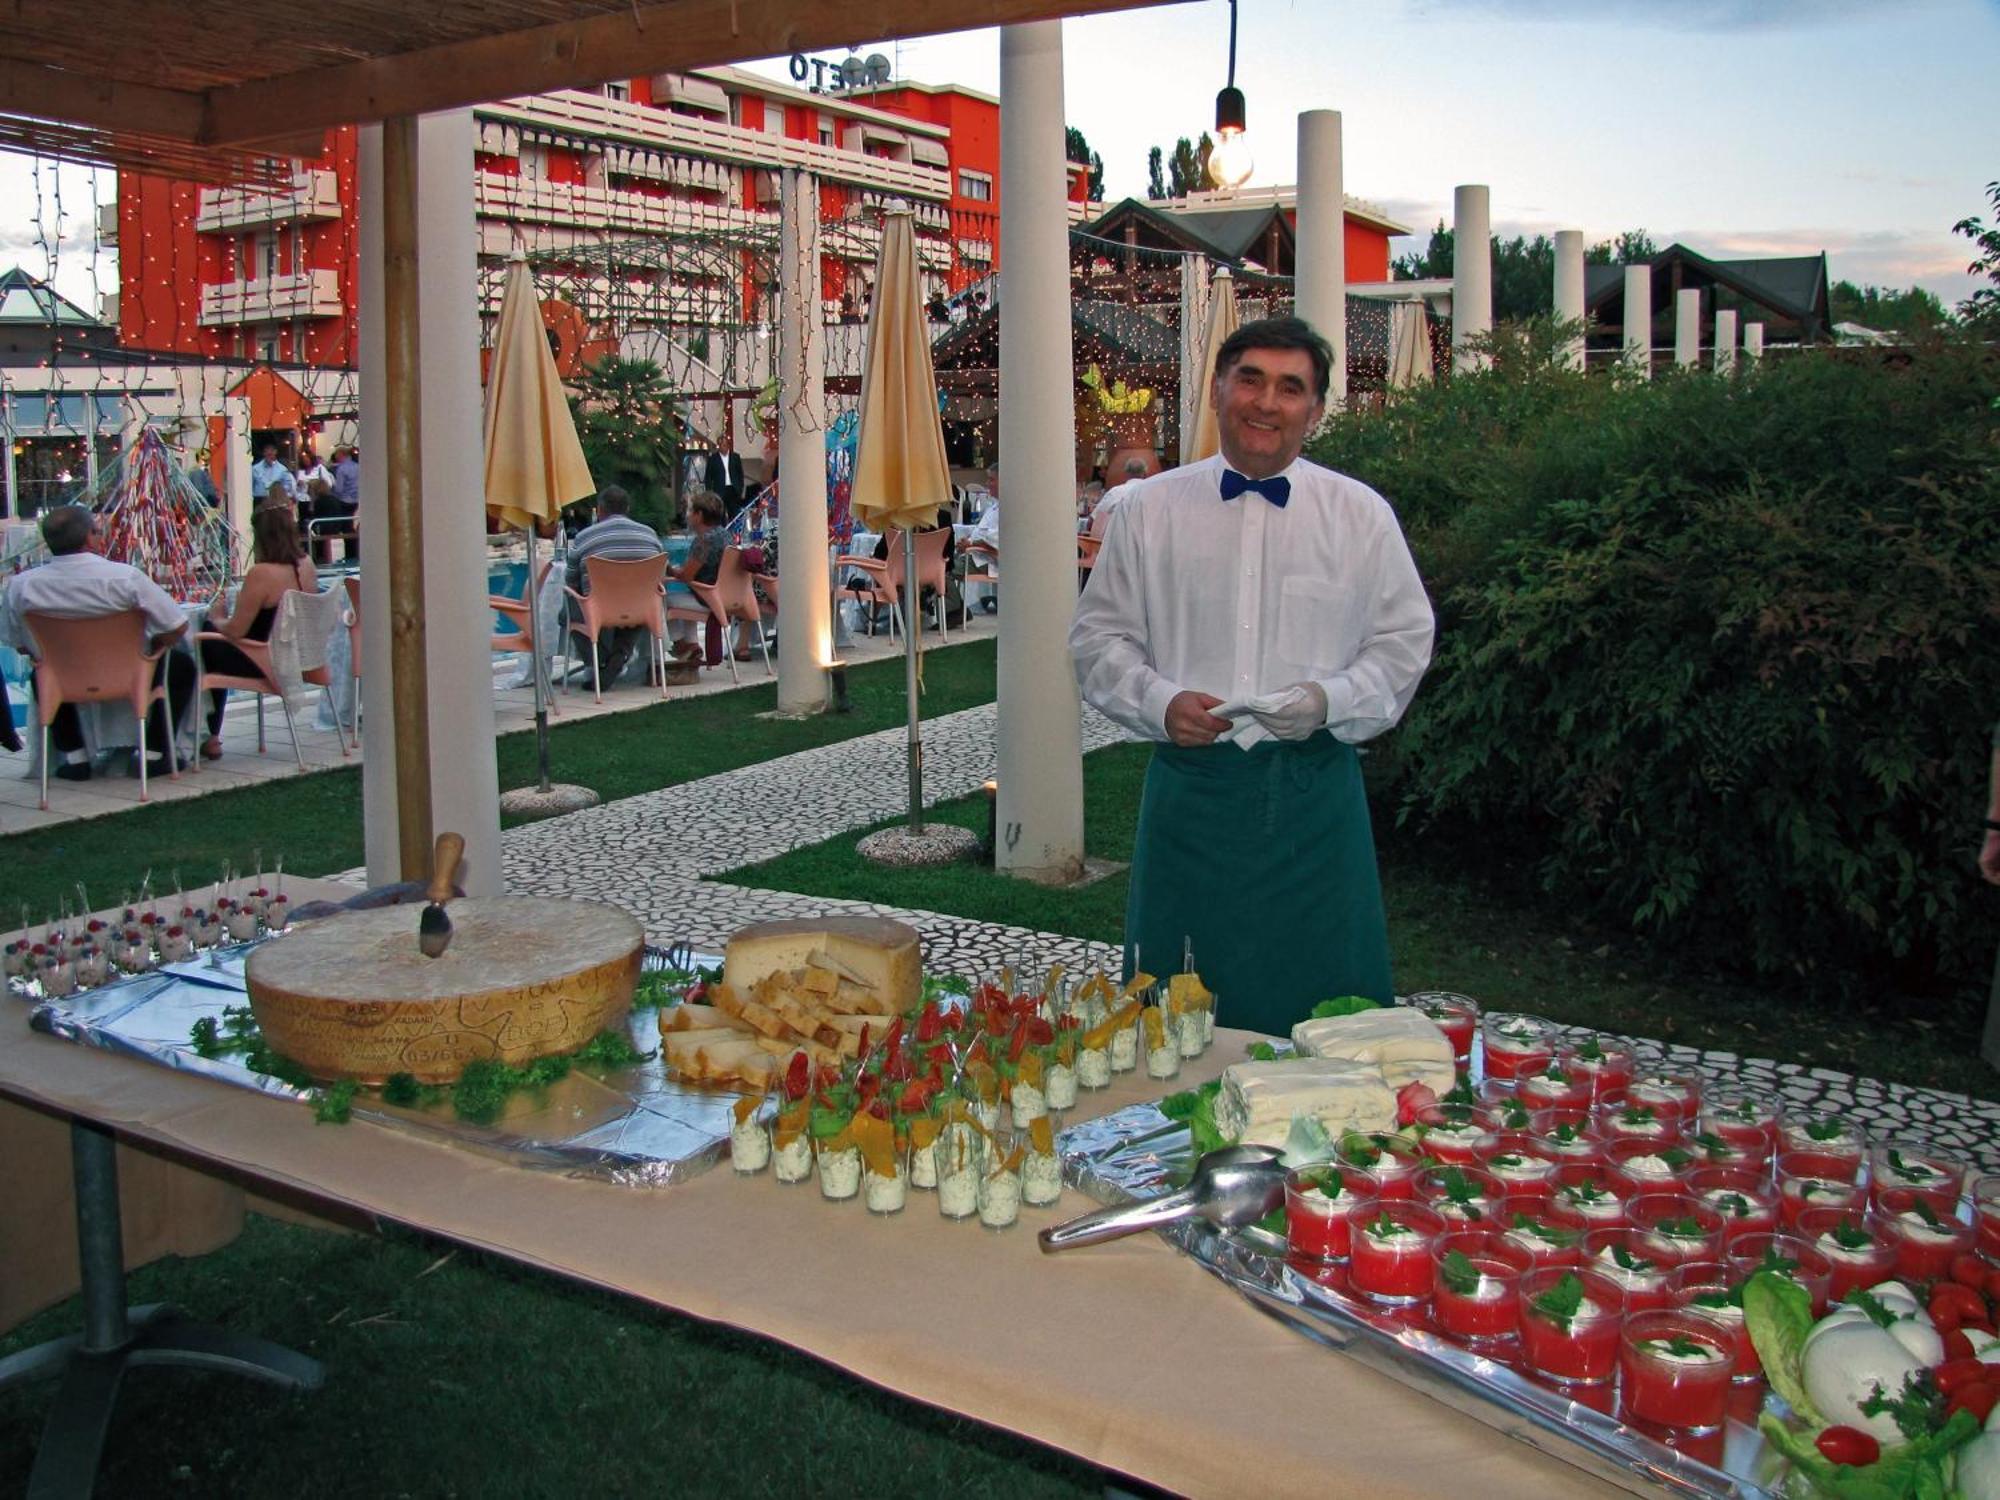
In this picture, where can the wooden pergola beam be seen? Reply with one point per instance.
(99, 102)
(639, 39)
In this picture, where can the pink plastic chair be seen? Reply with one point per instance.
(266, 684)
(1086, 557)
(353, 621)
(516, 613)
(621, 594)
(886, 576)
(731, 598)
(97, 659)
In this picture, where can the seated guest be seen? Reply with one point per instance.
(279, 563)
(77, 583)
(704, 562)
(614, 535)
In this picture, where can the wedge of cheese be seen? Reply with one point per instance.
(1405, 1044)
(692, 1015)
(866, 965)
(1259, 1100)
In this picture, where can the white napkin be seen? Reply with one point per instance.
(1248, 731)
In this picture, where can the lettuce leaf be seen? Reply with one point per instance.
(1346, 1005)
(1911, 1471)
(1196, 1108)
(1777, 1312)
(1306, 1142)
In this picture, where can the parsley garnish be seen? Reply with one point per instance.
(1734, 1204)
(1851, 1236)
(1686, 1227)
(1878, 1313)
(1917, 1410)
(1514, 1114)
(1627, 1261)
(1677, 1345)
(1732, 1297)
(1714, 1144)
(1459, 1273)
(1909, 1172)
(1638, 1114)
(1783, 1265)
(1585, 1192)
(1676, 1158)
(1561, 1302)
(1566, 1135)
(1826, 1130)
(1590, 1052)
(1384, 1227)
(1548, 1234)
(1926, 1213)
(1460, 1189)
(1555, 1074)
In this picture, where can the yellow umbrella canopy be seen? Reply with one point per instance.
(1204, 441)
(900, 474)
(534, 463)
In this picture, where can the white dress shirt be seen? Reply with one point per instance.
(83, 585)
(264, 474)
(1109, 501)
(1238, 598)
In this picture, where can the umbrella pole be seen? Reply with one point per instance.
(911, 614)
(541, 664)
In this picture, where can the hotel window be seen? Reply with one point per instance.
(267, 347)
(267, 254)
(825, 135)
(618, 91)
(975, 185)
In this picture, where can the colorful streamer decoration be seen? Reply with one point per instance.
(152, 517)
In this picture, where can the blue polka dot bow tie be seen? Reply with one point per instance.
(1277, 489)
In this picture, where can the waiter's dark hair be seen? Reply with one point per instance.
(66, 529)
(1278, 333)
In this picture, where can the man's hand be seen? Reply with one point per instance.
(1189, 721)
(1299, 718)
(1989, 852)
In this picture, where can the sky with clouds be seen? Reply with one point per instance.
(1742, 127)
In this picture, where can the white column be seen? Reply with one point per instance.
(237, 499)
(458, 629)
(805, 611)
(1639, 320)
(1322, 238)
(1569, 291)
(1194, 335)
(1753, 340)
(13, 478)
(1725, 341)
(1040, 815)
(1687, 327)
(1471, 274)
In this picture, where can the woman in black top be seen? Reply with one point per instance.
(280, 564)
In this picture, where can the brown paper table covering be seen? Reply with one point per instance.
(1126, 1355)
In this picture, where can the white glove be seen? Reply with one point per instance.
(1293, 714)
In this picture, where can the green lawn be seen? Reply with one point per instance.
(1447, 930)
(475, 1378)
(313, 823)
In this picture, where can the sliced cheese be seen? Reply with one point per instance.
(1259, 1100)
(878, 963)
(692, 1015)
(1406, 1045)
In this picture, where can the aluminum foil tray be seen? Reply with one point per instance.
(634, 1126)
(1138, 1153)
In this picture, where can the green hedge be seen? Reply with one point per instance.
(1721, 656)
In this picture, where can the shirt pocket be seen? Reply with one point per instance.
(1312, 625)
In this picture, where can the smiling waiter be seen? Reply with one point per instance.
(1259, 616)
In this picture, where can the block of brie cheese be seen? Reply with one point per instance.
(879, 964)
(1405, 1044)
(1259, 1100)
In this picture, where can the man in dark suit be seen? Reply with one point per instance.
(722, 476)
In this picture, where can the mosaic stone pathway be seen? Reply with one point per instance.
(657, 855)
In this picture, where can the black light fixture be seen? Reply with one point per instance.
(837, 671)
(1230, 163)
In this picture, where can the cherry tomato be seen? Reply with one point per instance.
(1969, 1270)
(1953, 1304)
(1993, 1284)
(1977, 1397)
(1957, 1346)
(1848, 1445)
(1954, 1373)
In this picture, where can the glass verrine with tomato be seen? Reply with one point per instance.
(1555, 1087)
(1617, 1116)
(1918, 1167)
(1837, 1141)
(1545, 1239)
(1522, 1170)
(1457, 1017)
(1674, 1370)
(1713, 1291)
(1710, 1149)
(1926, 1234)
(1746, 1118)
(1746, 1198)
(1317, 1199)
(1810, 1179)
(1986, 1214)
(1792, 1256)
(1646, 1166)
(1389, 1249)
(1514, 1044)
(1675, 1228)
(1567, 1141)
(1464, 1195)
(1460, 1134)
(1607, 1063)
(1617, 1254)
(1859, 1248)
(1475, 1286)
(1586, 1198)
(1569, 1325)
(1393, 1161)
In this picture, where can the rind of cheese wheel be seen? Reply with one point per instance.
(1259, 1100)
(1407, 1045)
(354, 997)
(878, 964)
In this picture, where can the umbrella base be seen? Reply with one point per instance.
(938, 844)
(532, 802)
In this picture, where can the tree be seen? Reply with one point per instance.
(1523, 271)
(1187, 168)
(1076, 148)
(1631, 247)
(1981, 310)
(1886, 309)
(1434, 261)
(1156, 184)
(624, 411)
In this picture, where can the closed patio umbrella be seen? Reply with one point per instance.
(534, 463)
(1409, 346)
(1205, 441)
(901, 478)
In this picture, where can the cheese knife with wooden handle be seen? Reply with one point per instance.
(434, 926)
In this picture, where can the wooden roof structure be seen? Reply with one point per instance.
(1788, 293)
(217, 94)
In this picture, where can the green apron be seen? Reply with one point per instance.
(1264, 860)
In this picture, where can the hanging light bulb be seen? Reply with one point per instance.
(1230, 163)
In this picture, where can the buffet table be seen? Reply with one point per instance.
(1126, 1355)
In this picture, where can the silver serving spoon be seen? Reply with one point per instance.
(1232, 1187)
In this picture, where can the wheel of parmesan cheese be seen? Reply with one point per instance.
(353, 997)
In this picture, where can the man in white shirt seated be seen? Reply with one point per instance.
(1117, 495)
(269, 470)
(1257, 616)
(77, 583)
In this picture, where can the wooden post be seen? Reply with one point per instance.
(408, 668)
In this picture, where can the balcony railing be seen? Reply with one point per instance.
(307, 294)
(313, 194)
(566, 203)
